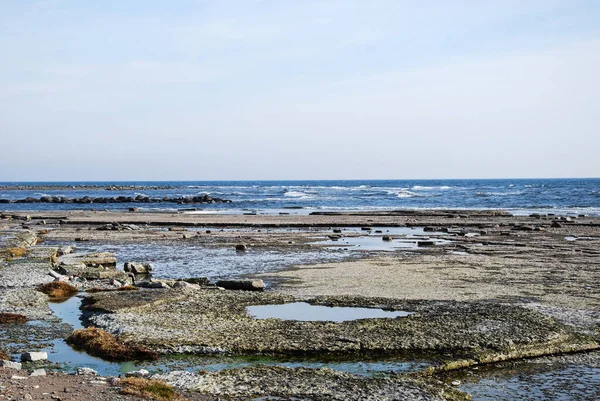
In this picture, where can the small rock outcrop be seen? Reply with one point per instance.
(245, 285)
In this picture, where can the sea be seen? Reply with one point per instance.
(518, 196)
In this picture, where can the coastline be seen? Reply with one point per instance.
(487, 261)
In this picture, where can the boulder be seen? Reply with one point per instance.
(34, 356)
(138, 267)
(426, 243)
(387, 238)
(153, 283)
(244, 285)
(38, 372)
(183, 284)
(241, 248)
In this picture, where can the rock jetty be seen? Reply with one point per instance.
(119, 199)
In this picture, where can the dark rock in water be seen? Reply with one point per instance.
(133, 209)
(425, 243)
(429, 229)
(241, 248)
(5, 201)
(337, 230)
(387, 238)
(366, 228)
(244, 285)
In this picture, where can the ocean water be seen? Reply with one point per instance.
(560, 196)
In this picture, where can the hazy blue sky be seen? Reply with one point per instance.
(283, 89)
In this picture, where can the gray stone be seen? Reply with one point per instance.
(34, 356)
(158, 284)
(138, 267)
(183, 284)
(241, 248)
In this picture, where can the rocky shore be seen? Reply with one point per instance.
(490, 288)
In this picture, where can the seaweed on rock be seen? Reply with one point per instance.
(99, 343)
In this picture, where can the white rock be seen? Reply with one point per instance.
(86, 372)
(34, 356)
(38, 372)
(10, 364)
(138, 373)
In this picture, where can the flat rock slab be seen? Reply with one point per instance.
(106, 259)
(301, 383)
(200, 321)
(24, 273)
(94, 266)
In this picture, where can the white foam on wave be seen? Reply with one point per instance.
(297, 194)
(430, 188)
(485, 194)
(402, 193)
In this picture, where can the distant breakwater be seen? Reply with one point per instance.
(119, 199)
(82, 187)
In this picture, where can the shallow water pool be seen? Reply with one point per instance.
(302, 311)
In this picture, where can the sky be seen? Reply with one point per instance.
(298, 89)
